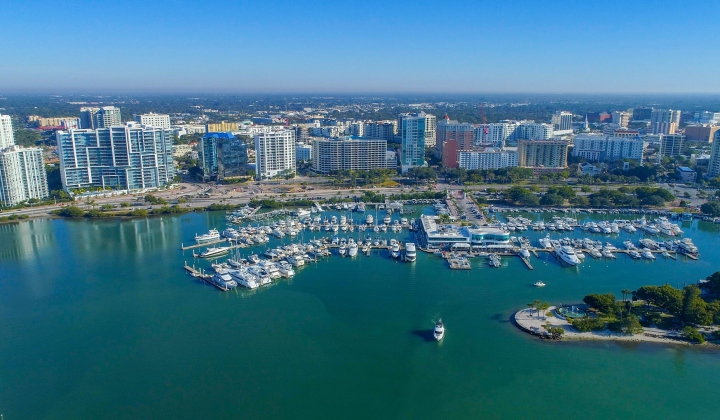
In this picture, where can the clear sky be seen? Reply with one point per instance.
(361, 46)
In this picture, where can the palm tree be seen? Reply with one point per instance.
(625, 292)
(531, 305)
(542, 307)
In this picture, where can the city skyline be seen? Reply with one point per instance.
(398, 47)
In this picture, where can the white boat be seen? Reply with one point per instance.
(223, 280)
(212, 235)
(369, 219)
(567, 254)
(439, 331)
(214, 252)
(296, 260)
(410, 253)
(253, 258)
(494, 260)
(245, 279)
(647, 255)
(395, 250)
(524, 253)
(386, 219)
(634, 254)
(539, 283)
(285, 269)
(342, 250)
(352, 250)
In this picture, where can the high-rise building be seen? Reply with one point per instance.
(155, 120)
(348, 154)
(533, 131)
(275, 153)
(417, 132)
(702, 133)
(489, 158)
(7, 138)
(104, 117)
(221, 127)
(382, 130)
(129, 157)
(671, 145)
(542, 153)
(642, 113)
(621, 118)
(22, 175)
(664, 121)
(303, 152)
(562, 122)
(451, 136)
(714, 165)
(222, 155)
(600, 148)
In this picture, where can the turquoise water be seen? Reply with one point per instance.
(99, 321)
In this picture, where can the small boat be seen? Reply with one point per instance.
(439, 331)
(539, 283)
(214, 252)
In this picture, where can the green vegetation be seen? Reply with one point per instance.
(641, 196)
(627, 325)
(588, 324)
(692, 334)
(27, 138)
(711, 208)
(13, 217)
(70, 211)
(155, 200)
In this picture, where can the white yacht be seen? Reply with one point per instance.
(245, 279)
(567, 254)
(395, 250)
(539, 283)
(439, 331)
(223, 280)
(647, 254)
(410, 254)
(212, 235)
(285, 269)
(296, 260)
(369, 219)
(253, 258)
(386, 219)
(524, 253)
(214, 252)
(342, 250)
(352, 250)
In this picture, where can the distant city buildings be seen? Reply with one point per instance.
(701, 133)
(600, 148)
(664, 121)
(275, 153)
(417, 132)
(348, 154)
(155, 120)
(621, 118)
(642, 113)
(221, 127)
(543, 154)
(562, 123)
(129, 157)
(7, 137)
(103, 117)
(64, 122)
(382, 130)
(223, 156)
(686, 174)
(489, 158)
(451, 137)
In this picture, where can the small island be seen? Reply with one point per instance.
(664, 314)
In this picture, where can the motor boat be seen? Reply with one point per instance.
(224, 281)
(567, 254)
(439, 331)
(212, 235)
(410, 253)
(214, 252)
(647, 254)
(539, 283)
(352, 250)
(395, 250)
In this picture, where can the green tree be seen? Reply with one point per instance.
(70, 211)
(665, 296)
(26, 138)
(604, 303)
(691, 333)
(694, 309)
(628, 325)
(711, 208)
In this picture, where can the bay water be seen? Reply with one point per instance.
(98, 320)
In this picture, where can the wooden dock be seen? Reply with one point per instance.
(526, 261)
(202, 276)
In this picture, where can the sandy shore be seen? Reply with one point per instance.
(528, 321)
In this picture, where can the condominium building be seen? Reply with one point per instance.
(451, 136)
(275, 153)
(64, 122)
(430, 125)
(664, 121)
(671, 145)
(155, 120)
(221, 127)
(543, 153)
(348, 154)
(494, 135)
(533, 131)
(417, 132)
(490, 158)
(714, 165)
(600, 148)
(22, 175)
(128, 157)
(642, 113)
(222, 156)
(382, 130)
(7, 138)
(562, 122)
(104, 117)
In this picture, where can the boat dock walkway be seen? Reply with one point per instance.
(318, 206)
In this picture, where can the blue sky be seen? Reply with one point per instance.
(369, 46)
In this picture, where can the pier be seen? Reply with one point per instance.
(201, 244)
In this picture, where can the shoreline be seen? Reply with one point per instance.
(528, 322)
